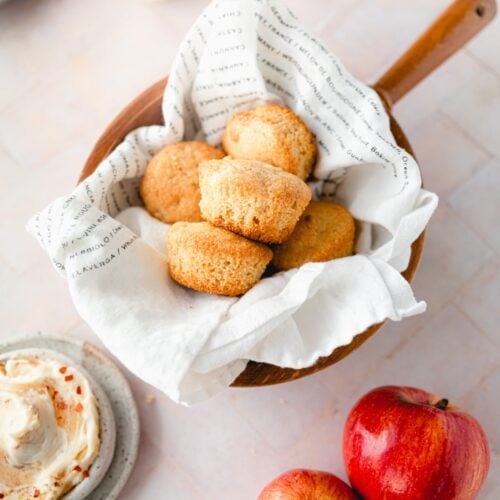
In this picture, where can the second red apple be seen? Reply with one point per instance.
(303, 484)
(407, 444)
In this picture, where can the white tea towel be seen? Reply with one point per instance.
(190, 345)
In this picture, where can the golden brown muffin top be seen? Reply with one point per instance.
(169, 186)
(325, 231)
(214, 241)
(274, 134)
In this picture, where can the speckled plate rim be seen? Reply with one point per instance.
(107, 374)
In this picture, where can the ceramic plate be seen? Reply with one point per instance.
(105, 373)
(106, 416)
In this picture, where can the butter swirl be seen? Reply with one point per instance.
(49, 428)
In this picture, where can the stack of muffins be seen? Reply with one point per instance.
(233, 215)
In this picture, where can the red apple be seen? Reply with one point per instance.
(404, 443)
(302, 484)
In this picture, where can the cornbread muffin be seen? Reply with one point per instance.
(210, 259)
(325, 231)
(273, 134)
(252, 198)
(169, 187)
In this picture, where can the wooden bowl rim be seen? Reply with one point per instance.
(146, 109)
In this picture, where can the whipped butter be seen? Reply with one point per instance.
(49, 428)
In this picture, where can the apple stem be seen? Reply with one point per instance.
(442, 404)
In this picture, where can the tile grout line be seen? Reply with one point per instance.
(7, 153)
(439, 114)
(481, 331)
(478, 168)
(463, 221)
(446, 117)
(306, 430)
(7, 265)
(322, 25)
(456, 296)
(491, 155)
(481, 379)
(176, 464)
(84, 47)
(481, 62)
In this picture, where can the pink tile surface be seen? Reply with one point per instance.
(481, 400)
(66, 68)
(447, 155)
(480, 299)
(437, 354)
(485, 47)
(429, 96)
(477, 202)
(372, 36)
(491, 489)
(453, 254)
(481, 94)
(316, 18)
(27, 191)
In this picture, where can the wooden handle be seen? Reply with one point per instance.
(460, 22)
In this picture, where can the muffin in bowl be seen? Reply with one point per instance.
(213, 260)
(273, 134)
(325, 231)
(169, 187)
(251, 198)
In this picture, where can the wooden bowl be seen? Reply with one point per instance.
(146, 110)
(460, 22)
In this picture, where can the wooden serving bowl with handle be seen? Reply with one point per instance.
(460, 22)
